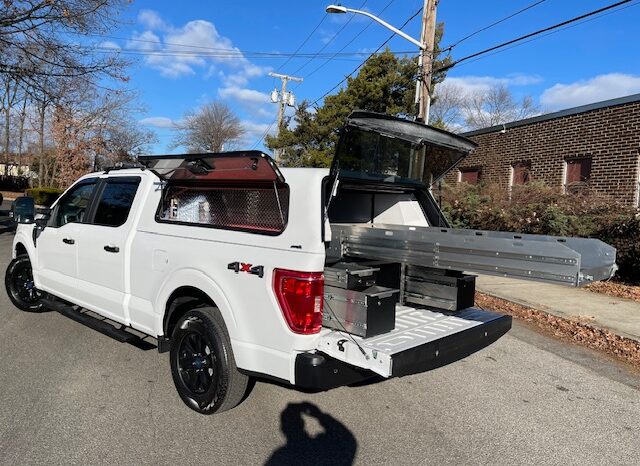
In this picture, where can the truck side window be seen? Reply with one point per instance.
(73, 206)
(115, 201)
(253, 208)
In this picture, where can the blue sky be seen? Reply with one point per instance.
(586, 63)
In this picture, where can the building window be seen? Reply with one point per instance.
(469, 175)
(521, 173)
(578, 171)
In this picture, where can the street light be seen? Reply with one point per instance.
(421, 45)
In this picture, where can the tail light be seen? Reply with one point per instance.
(300, 296)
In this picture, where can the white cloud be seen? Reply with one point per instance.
(255, 131)
(470, 84)
(158, 122)
(109, 44)
(195, 45)
(596, 89)
(244, 96)
(151, 20)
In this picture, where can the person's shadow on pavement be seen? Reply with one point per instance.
(335, 446)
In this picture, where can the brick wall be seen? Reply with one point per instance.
(610, 136)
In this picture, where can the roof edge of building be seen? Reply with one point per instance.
(559, 114)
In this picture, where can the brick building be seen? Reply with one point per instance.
(594, 146)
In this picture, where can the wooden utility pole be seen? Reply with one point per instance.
(425, 61)
(283, 99)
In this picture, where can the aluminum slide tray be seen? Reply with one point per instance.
(553, 259)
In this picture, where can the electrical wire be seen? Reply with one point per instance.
(367, 59)
(264, 135)
(533, 34)
(331, 39)
(468, 36)
(322, 65)
(303, 42)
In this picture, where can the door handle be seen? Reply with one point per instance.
(68, 241)
(112, 248)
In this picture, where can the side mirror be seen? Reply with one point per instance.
(23, 210)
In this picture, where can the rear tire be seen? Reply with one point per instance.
(203, 368)
(18, 282)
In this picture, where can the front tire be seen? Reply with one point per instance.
(202, 364)
(18, 282)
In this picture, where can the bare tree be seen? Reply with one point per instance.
(496, 106)
(36, 39)
(211, 128)
(447, 107)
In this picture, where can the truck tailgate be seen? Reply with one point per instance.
(422, 340)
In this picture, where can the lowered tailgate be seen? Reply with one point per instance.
(422, 340)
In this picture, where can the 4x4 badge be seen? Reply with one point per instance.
(238, 267)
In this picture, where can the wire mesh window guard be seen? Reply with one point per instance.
(259, 209)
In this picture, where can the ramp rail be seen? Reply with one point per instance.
(553, 259)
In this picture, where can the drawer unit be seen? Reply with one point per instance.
(448, 290)
(350, 275)
(365, 313)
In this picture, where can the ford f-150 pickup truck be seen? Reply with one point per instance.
(315, 278)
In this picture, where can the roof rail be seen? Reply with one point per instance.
(124, 166)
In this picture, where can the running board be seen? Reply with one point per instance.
(552, 259)
(96, 324)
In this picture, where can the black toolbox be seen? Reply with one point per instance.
(366, 313)
(350, 275)
(441, 289)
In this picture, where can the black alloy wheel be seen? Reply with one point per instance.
(20, 287)
(203, 367)
(196, 363)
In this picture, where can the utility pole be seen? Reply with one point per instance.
(425, 60)
(283, 99)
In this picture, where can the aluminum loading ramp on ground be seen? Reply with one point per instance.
(553, 259)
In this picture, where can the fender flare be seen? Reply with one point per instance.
(194, 278)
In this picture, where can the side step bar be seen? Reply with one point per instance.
(99, 325)
(553, 259)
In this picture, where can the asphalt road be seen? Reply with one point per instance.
(69, 395)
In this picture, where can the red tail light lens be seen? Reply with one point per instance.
(300, 295)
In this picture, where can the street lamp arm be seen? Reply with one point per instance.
(417, 43)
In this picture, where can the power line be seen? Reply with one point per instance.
(522, 10)
(304, 41)
(264, 135)
(331, 39)
(367, 59)
(533, 34)
(549, 33)
(229, 54)
(348, 43)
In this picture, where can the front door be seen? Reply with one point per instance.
(56, 247)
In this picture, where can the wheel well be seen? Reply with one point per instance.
(20, 250)
(180, 302)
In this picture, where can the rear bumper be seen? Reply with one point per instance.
(318, 371)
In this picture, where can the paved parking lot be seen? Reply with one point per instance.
(70, 395)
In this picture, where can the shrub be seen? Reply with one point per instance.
(537, 208)
(44, 196)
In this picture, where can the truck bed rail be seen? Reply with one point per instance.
(553, 259)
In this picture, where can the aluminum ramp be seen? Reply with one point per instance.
(552, 259)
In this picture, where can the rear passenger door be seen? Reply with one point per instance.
(102, 248)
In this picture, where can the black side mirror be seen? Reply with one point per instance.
(23, 210)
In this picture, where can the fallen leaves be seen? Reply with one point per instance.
(619, 290)
(577, 331)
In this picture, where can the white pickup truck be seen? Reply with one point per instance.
(223, 258)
